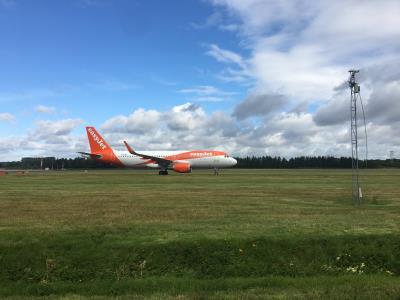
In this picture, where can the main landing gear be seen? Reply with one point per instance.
(216, 171)
(163, 172)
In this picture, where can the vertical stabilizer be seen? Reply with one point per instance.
(96, 141)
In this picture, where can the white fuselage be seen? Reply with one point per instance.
(198, 159)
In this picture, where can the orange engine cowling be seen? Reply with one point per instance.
(181, 167)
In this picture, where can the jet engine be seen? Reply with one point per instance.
(181, 167)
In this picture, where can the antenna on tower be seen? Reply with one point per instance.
(355, 95)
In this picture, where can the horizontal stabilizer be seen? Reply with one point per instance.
(92, 155)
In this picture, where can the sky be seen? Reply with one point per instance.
(255, 77)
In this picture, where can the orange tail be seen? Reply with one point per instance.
(96, 141)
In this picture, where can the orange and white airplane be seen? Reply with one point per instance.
(179, 161)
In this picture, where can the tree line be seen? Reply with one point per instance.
(310, 162)
(249, 162)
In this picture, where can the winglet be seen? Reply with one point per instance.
(130, 150)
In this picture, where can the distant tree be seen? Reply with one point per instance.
(248, 162)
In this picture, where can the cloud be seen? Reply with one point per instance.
(54, 132)
(45, 109)
(185, 117)
(46, 138)
(236, 69)
(297, 49)
(302, 73)
(7, 117)
(259, 105)
(225, 56)
(202, 90)
(184, 126)
(206, 93)
(335, 111)
(140, 121)
(188, 126)
(261, 17)
(240, 76)
(384, 104)
(211, 21)
(223, 125)
(303, 50)
(380, 101)
(228, 27)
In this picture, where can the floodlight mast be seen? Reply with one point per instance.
(355, 90)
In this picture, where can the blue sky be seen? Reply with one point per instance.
(251, 77)
(92, 60)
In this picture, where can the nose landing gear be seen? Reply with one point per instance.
(163, 172)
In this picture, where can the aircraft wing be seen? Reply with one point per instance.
(160, 161)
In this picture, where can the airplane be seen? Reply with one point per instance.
(178, 161)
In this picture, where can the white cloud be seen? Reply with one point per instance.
(240, 76)
(45, 109)
(54, 132)
(7, 117)
(203, 90)
(185, 126)
(140, 121)
(237, 69)
(185, 117)
(206, 93)
(287, 134)
(259, 105)
(188, 126)
(303, 50)
(258, 15)
(212, 20)
(225, 56)
(301, 73)
(46, 138)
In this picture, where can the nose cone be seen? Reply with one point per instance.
(233, 161)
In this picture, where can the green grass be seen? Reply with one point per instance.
(246, 234)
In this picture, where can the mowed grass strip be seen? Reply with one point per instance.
(238, 202)
(61, 229)
(272, 287)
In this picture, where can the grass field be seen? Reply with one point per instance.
(246, 234)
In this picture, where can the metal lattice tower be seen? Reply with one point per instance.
(355, 94)
(391, 155)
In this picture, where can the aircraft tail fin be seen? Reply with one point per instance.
(96, 141)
